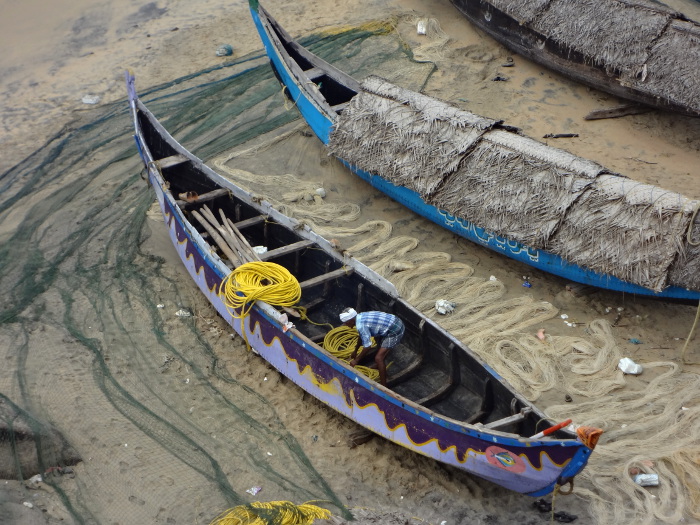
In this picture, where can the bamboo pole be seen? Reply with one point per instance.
(218, 239)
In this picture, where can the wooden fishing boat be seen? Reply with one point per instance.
(486, 182)
(441, 401)
(640, 50)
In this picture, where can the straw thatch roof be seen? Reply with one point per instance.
(523, 11)
(515, 187)
(672, 75)
(413, 140)
(521, 189)
(612, 33)
(625, 228)
(648, 51)
(685, 271)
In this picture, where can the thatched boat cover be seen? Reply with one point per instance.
(625, 228)
(515, 186)
(617, 37)
(686, 269)
(521, 189)
(669, 75)
(644, 45)
(410, 139)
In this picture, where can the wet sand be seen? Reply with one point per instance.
(64, 51)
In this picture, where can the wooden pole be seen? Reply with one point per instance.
(218, 239)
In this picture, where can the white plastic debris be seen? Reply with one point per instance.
(321, 192)
(629, 367)
(35, 480)
(421, 27)
(28, 505)
(260, 249)
(160, 306)
(253, 490)
(493, 278)
(285, 322)
(444, 307)
(183, 313)
(564, 316)
(90, 99)
(647, 480)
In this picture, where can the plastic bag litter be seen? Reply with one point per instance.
(260, 249)
(629, 367)
(647, 480)
(90, 99)
(444, 307)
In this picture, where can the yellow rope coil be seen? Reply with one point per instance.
(258, 281)
(341, 342)
(264, 513)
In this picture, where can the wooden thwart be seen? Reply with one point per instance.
(509, 420)
(168, 162)
(314, 73)
(205, 197)
(284, 250)
(315, 281)
(250, 222)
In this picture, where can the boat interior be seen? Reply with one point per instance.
(428, 367)
(335, 87)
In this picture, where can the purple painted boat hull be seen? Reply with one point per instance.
(521, 464)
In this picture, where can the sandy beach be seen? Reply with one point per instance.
(174, 421)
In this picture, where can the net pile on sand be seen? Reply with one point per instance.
(436, 40)
(518, 188)
(657, 426)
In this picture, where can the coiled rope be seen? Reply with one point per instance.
(341, 342)
(264, 513)
(258, 281)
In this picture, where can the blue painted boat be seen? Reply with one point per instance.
(441, 400)
(587, 254)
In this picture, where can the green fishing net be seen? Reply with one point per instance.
(116, 381)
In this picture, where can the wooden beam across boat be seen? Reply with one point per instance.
(325, 277)
(169, 162)
(284, 250)
(205, 197)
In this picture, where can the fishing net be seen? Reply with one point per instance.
(120, 389)
(500, 327)
(131, 398)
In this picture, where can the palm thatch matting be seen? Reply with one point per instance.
(543, 197)
(644, 45)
